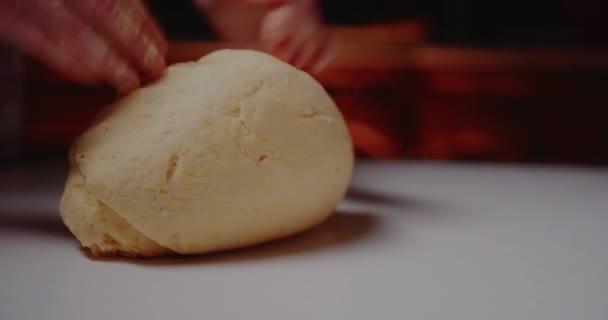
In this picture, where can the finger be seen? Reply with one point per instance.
(305, 56)
(282, 47)
(277, 32)
(311, 51)
(303, 43)
(291, 53)
(104, 62)
(91, 54)
(21, 26)
(35, 44)
(153, 27)
(276, 27)
(298, 31)
(119, 74)
(124, 24)
(326, 55)
(285, 50)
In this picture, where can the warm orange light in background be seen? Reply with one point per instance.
(403, 98)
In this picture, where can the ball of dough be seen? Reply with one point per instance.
(235, 149)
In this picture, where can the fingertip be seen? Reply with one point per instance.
(154, 63)
(309, 54)
(291, 53)
(323, 62)
(160, 41)
(284, 53)
(152, 27)
(320, 66)
(128, 86)
(124, 79)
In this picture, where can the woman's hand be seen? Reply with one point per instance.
(295, 33)
(290, 29)
(88, 41)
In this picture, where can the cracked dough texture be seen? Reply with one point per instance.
(235, 149)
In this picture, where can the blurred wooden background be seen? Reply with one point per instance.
(406, 98)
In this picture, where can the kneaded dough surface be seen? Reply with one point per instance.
(235, 149)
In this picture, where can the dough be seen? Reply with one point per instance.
(235, 149)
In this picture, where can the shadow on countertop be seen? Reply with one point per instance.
(340, 229)
(40, 224)
(343, 229)
(31, 198)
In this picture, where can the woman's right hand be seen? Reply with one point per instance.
(89, 41)
(292, 30)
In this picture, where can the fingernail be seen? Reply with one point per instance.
(153, 61)
(325, 59)
(95, 47)
(125, 80)
(319, 66)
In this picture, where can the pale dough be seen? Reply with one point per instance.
(235, 149)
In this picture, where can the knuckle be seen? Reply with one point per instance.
(127, 23)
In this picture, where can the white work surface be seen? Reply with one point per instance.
(412, 241)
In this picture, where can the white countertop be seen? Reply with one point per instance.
(412, 241)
